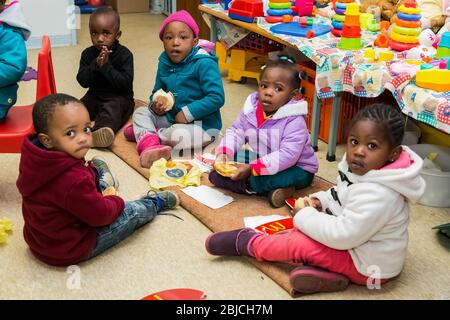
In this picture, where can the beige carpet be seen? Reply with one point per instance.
(228, 217)
(169, 253)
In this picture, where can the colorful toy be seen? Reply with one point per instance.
(434, 79)
(364, 19)
(295, 29)
(338, 18)
(246, 10)
(6, 227)
(90, 6)
(443, 49)
(304, 7)
(351, 31)
(406, 27)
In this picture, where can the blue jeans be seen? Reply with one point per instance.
(134, 215)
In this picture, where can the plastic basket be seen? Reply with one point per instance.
(258, 43)
(350, 105)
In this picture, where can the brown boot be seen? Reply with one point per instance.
(103, 137)
(276, 197)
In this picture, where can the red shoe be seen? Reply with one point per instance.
(307, 279)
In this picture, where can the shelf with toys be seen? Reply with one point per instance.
(354, 64)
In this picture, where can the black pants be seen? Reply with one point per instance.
(108, 111)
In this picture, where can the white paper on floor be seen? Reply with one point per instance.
(208, 196)
(253, 222)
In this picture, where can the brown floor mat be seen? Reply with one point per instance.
(226, 218)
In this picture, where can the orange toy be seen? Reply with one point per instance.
(382, 41)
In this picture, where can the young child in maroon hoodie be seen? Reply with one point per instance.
(67, 218)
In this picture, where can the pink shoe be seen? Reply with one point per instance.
(150, 149)
(129, 133)
(307, 279)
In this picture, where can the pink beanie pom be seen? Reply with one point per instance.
(181, 16)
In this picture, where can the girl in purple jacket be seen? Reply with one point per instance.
(273, 124)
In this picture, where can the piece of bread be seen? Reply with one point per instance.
(225, 169)
(301, 203)
(165, 98)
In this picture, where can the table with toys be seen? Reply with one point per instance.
(355, 52)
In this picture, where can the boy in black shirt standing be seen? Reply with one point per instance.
(106, 68)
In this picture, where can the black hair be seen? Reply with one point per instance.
(43, 109)
(107, 11)
(287, 63)
(389, 117)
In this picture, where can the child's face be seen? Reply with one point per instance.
(69, 131)
(178, 41)
(368, 147)
(275, 89)
(104, 30)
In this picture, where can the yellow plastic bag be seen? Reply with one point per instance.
(165, 173)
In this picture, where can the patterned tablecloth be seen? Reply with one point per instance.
(339, 70)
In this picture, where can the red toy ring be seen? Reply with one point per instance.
(397, 46)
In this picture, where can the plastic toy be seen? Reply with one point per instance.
(434, 79)
(304, 7)
(295, 29)
(406, 27)
(338, 18)
(351, 32)
(364, 19)
(177, 294)
(382, 41)
(246, 10)
(443, 49)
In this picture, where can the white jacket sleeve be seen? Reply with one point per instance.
(365, 212)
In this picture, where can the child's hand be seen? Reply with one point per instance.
(315, 203)
(221, 158)
(244, 171)
(180, 118)
(110, 191)
(103, 57)
(158, 108)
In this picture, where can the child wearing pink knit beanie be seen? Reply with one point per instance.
(181, 16)
(188, 77)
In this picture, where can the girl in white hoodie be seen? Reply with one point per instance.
(356, 231)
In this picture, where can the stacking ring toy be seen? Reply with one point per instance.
(397, 46)
(339, 11)
(279, 1)
(404, 9)
(279, 5)
(409, 17)
(406, 23)
(338, 17)
(336, 32)
(341, 5)
(273, 19)
(281, 12)
(407, 31)
(404, 39)
(336, 25)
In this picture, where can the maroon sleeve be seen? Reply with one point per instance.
(89, 205)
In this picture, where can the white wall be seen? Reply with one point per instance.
(54, 18)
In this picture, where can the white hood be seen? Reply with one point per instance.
(407, 182)
(13, 16)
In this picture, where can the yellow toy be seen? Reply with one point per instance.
(241, 64)
(6, 227)
(434, 79)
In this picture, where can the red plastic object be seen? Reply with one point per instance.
(351, 32)
(247, 8)
(177, 294)
(310, 34)
(304, 7)
(290, 202)
(18, 123)
(398, 46)
(276, 226)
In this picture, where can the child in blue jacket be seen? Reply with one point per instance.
(13, 54)
(191, 75)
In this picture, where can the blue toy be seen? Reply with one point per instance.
(294, 29)
(409, 17)
(279, 12)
